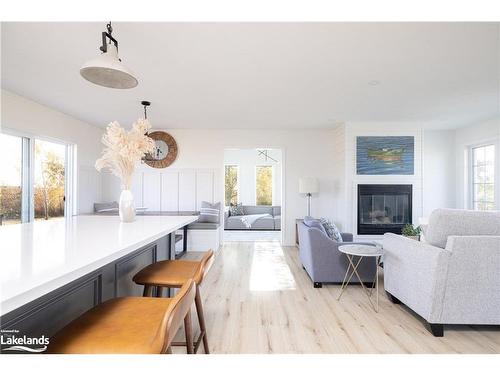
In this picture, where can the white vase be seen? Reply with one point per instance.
(126, 206)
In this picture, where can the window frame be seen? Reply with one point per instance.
(28, 174)
(272, 182)
(471, 181)
(237, 181)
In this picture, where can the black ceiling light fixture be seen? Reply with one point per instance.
(108, 70)
(146, 104)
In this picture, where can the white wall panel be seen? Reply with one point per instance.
(204, 188)
(136, 189)
(151, 191)
(187, 191)
(170, 191)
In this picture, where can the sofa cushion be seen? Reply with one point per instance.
(451, 222)
(209, 213)
(105, 207)
(197, 225)
(266, 222)
(257, 210)
(331, 230)
(314, 223)
(276, 210)
(235, 222)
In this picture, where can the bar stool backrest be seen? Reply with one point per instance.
(175, 314)
(205, 264)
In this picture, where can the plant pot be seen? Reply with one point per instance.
(126, 206)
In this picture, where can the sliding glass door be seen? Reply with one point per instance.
(33, 179)
(48, 193)
(11, 179)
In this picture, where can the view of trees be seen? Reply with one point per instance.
(49, 183)
(10, 179)
(231, 184)
(264, 185)
(10, 204)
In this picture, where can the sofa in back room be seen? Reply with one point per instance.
(254, 218)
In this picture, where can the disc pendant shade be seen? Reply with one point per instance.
(107, 70)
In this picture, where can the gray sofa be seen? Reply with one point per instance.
(454, 276)
(269, 218)
(322, 260)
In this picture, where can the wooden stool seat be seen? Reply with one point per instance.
(128, 325)
(172, 274)
(169, 273)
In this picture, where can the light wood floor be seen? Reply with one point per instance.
(258, 299)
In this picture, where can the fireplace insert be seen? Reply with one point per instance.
(384, 208)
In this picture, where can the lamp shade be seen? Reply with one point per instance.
(107, 70)
(308, 185)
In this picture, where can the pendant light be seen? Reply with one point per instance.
(148, 156)
(145, 104)
(107, 70)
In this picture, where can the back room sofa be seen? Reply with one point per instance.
(254, 218)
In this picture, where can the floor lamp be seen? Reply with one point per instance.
(308, 186)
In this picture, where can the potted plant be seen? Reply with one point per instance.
(411, 232)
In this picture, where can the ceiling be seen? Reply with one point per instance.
(264, 75)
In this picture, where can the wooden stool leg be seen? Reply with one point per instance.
(159, 291)
(147, 291)
(201, 319)
(189, 332)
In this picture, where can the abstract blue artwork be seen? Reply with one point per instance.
(385, 155)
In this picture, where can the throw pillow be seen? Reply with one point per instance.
(314, 223)
(331, 230)
(236, 209)
(209, 213)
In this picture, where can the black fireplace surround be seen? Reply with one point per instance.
(384, 208)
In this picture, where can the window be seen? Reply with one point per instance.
(33, 179)
(483, 177)
(11, 179)
(49, 179)
(264, 185)
(231, 184)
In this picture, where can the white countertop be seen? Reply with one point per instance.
(37, 258)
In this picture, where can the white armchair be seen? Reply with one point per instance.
(453, 277)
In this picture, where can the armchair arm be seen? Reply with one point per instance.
(346, 237)
(415, 273)
(473, 283)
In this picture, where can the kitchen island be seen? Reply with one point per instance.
(53, 271)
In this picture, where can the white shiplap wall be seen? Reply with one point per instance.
(166, 189)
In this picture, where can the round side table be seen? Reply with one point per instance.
(361, 251)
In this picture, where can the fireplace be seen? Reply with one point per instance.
(384, 208)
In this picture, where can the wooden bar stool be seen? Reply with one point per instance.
(172, 274)
(129, 325)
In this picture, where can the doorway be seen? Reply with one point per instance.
(253, 194)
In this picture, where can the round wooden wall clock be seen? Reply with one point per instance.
(165, 150)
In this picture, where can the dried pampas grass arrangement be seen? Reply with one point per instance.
(124, 149)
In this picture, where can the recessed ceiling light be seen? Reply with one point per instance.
(374, 83)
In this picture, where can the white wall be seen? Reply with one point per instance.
(438, 170)
(30, 118)
(247, 160)
(305, 153)
(464, 138)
